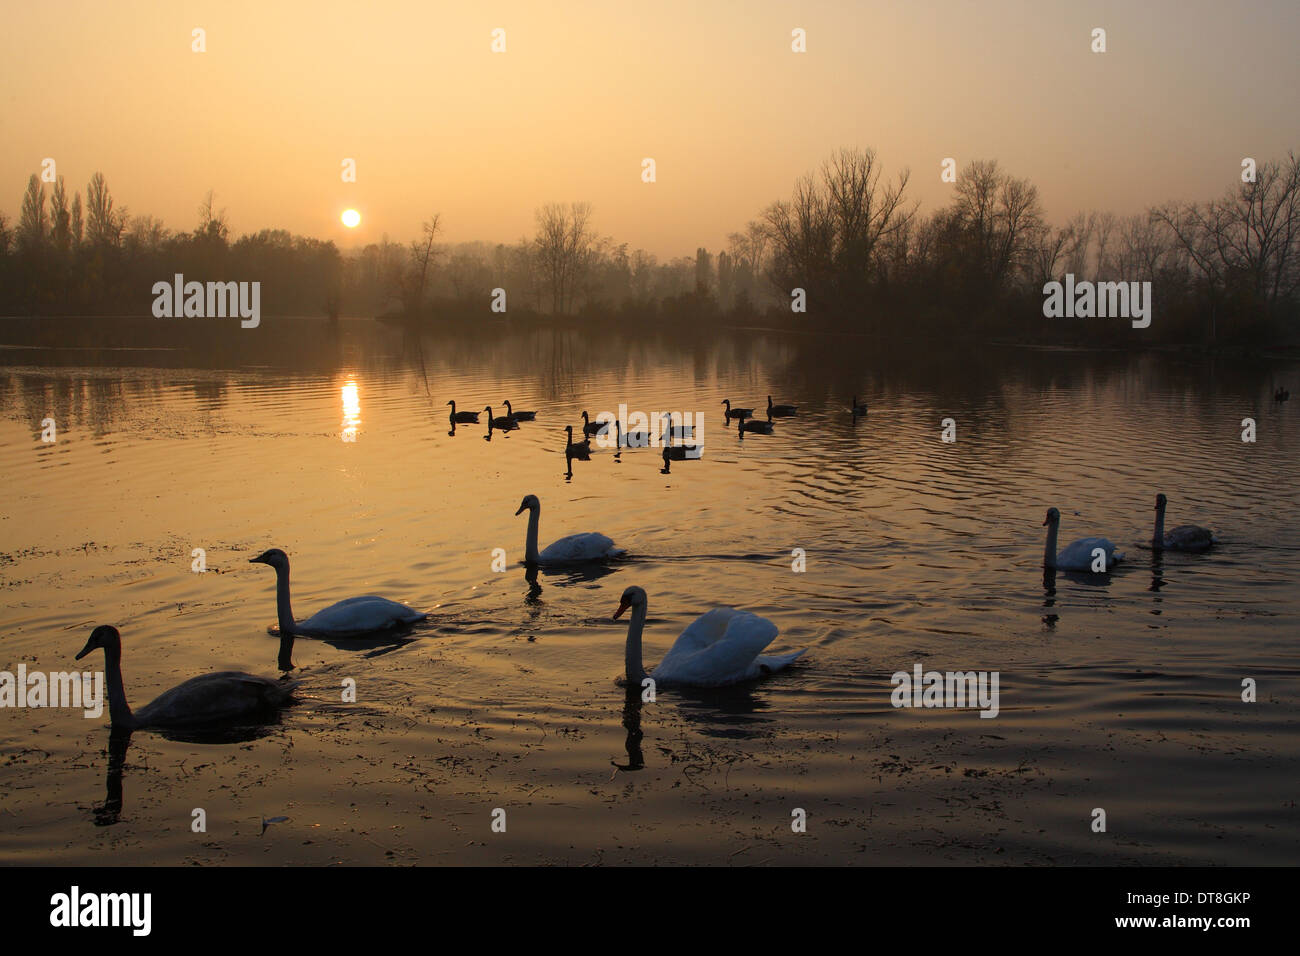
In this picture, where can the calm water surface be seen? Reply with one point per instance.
(1122, 693)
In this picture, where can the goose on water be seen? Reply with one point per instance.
(736, 412)
(589, 427)
(1281, 395)
(859, 408)
(1077, 555)
(721, 647)
(463, 418)
(221, 698)
(580, 450)
(353, 617)
(504, 422)
(574, 549)
(519, 416)
(780, 411)
(754, 427)
(674, 432)
(1187, 537)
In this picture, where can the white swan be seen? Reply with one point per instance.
(221, 698)
(1187, 537)
(575, 549)
(720, 647)
(354, 617)
(1077, 555)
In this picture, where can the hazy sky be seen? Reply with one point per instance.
(585, 90)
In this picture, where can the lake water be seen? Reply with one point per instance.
(1121, 692)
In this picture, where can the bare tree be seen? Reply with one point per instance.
(32, 223)
(564, 245)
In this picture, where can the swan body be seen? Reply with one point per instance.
(859, 408)
(353, 617)
(463, 418)
(504, 422)
(1077, 555)
(580, 450)
(519, 416)
(736, 412)
(755, 427)
(221, 698)
(780, 411)
(723, 646)
(575, 549)
(1187, 537)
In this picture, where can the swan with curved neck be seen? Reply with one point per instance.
(574, 549)
(1077, 555)
(213, 699)
(1187, 537)
(721, 647)
(354, 617)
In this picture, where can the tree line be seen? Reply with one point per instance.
(1226, 271)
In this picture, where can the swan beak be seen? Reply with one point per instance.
(1044, 522)
(85, 650)
(622, 606)
(260, 559)
(520, 511)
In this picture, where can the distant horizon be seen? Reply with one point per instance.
(437, 122)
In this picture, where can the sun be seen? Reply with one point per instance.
(351, 218)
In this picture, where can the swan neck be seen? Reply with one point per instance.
(119, 711)
(530, 545)
(632, 660)
(283, 609)
(1049, 550)
(1158, 538)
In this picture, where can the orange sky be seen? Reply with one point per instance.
(710, 90)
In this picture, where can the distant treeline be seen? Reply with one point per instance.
(1223, 272)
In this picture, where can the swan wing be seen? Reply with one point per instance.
(216, 698)
(588, 546)
(1077, 555)
(720, 647)
(360, 615)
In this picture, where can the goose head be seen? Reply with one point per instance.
(103, 636)
(633, 597)
(453, 405)
(274, 557)
(1053, 517)
(529, 503)
(508, 408)
(585, 419)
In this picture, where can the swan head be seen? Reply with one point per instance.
(1161, 501)
(274, 557)
(530, 503)
(633, 597)
(103, 636)
(1053, 517)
